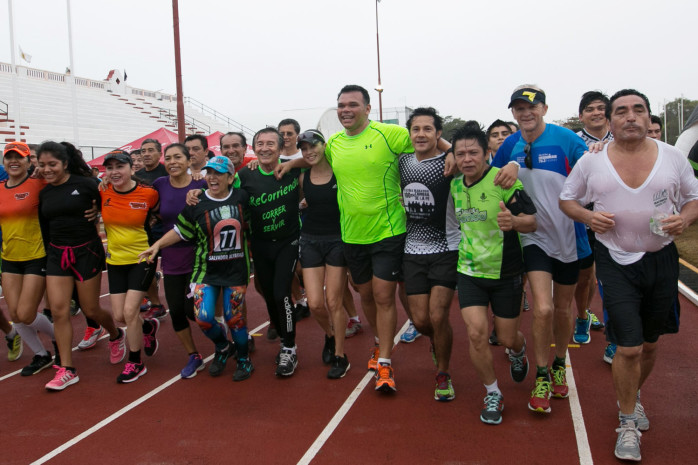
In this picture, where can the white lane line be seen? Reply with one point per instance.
(116, 415)
(580, 431)
(343, 410)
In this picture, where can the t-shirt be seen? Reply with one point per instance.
(125, 216)
(589, 139)
(431, 222)
(149, 177)
(669, 186)
(177, 259)
(321, 218)
(272, 203)
(62, 211)
(485, 251)
(368, 180)
(19, 219)
(285, 158)
(553, 155)
(217, 228)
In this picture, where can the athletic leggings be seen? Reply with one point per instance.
(181, 306)
(274, 265)
(205, 297)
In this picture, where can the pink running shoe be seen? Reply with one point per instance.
(62, 380)
(117, 348)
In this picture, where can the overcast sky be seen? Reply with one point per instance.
(256, 60)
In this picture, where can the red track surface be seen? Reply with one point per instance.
(266, 420)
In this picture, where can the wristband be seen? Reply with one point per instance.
(514, 162)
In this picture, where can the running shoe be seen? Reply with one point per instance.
(272, 333)
(385, 378)
(220, 359)
(117, 348)
(74, 309)
(596, 324)
(526, 306)
(540, 397)
(301, 311)
(132, 371)
(560, 389)
(643, 423)
(373, 361)
(410, 335)
(609, 353)
(145, 304)
(444, 388)
(628, 442)
(89, 340)
(243, 370)
(353, 328)
(150, 341)
(581, 330)
(39, 362)
(251, 346)
(14, 347)
(493, 338)
(491, 412)
(328, 350)
(519, 365)
(339, 368)
(156, 311)
(64, 378)
(194, 365)
(288, 361)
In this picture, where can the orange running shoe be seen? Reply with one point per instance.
(373, 361)
(385, 380)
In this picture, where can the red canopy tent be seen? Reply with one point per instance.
(214, 142)
(162, 135)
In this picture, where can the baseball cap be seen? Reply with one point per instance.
(528, 94)
(312, 136)
(19, 147)
(221, 164)
(118, 155)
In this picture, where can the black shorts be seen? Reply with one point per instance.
(134, 277)
(535, 259)
(382, 259)
(82, 262)
(424, 271)
(641, 298)
(586, 262)
(36, 266)
(318, 251)
(503, 294)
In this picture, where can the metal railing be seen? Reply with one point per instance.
(205, 109)
(188, 120)
(3, 109)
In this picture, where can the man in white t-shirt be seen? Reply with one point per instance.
(289, 130)
(644, 195)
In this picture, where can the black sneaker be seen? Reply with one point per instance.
(339, 368)
(57, 358)
(251, 346)
(493, 338)
(288, 361)
(132, 371)
(519, 365)
(328, 350)
(272, 333)
(220, 359)
(244, 369)
(300, 311)
(150, 341)
(39, 362)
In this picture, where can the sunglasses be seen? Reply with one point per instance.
(527, 159)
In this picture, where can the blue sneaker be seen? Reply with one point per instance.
(194, 365)
(609, 353)
(410, 334)
(581, 330)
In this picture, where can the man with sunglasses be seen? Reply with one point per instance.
(550, 253)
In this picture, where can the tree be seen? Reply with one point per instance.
(450, 126)
(672, 117)
(571, 123)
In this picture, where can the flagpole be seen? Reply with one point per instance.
(378, 54)
(15, 85)
(181, 129)
(74, 91)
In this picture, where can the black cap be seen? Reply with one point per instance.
(312, 136)
(118, 155)
(528, 94)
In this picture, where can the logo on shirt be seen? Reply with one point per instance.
(108, 202)
(75, 192)
(138, 205)
(369, 146)
(21, 196)
(660, 198)
(483, 197)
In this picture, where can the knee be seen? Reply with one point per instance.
(421, 322)
(630, 354)
(543, 312)
(478, 338)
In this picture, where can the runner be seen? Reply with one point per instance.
(74, 253)
(23, 254)
(178, 260)
(490, 262)
(431, 245)
(127, 207)
(322, 252)
(221, 264)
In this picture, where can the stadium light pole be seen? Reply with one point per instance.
(379, 88)
(181, 130)
(15, 85)
(73, 89)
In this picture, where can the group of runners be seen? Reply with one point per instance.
(397, 212)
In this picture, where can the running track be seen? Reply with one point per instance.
(310, 419)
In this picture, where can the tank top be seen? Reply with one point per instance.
(322, 215)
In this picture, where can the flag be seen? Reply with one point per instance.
(25, 56)
(125, 76)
